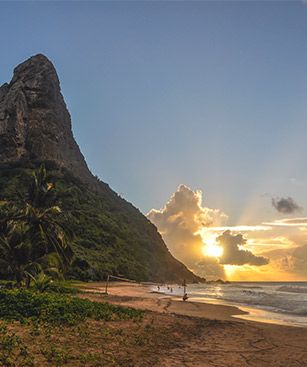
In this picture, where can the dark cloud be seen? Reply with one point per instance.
(286, 205)
(234, 255)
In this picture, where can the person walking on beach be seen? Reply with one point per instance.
(185, 295)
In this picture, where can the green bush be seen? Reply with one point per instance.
(58, 308)
(62, 288)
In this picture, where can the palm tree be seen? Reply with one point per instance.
(34, 234)
(47, 226)
(15, 254)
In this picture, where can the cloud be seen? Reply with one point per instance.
(185, 224)
(179, 223)
(233, 254)
(269, 243)
(292, 262)
(289, 222)
(240, 228)
(210, 267)
(286, 205)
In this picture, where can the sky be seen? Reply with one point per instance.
(204, 99)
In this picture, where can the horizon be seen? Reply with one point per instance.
(195, 113)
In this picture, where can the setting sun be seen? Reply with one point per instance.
(212, 249)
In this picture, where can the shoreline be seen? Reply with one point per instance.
(141, 296)
(167, 333)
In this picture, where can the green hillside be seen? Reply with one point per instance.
(111, 236)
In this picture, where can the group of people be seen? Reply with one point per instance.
(170, 289)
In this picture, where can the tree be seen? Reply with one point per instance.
(15, 254)
(35, 235)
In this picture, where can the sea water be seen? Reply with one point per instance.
(275, 302)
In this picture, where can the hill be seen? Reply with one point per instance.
(112, 236)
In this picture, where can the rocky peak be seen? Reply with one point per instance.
(34, 121)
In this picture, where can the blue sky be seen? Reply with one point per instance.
(207, 94)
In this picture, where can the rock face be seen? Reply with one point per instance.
(34, 121)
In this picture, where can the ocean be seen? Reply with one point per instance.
(275, 302)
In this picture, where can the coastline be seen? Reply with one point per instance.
(140, 296)
(205, 334)
(168, 333)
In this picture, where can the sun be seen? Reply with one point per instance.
(211, 249)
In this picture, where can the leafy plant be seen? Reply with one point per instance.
(59, 356)
(58, 308)
(42, 282)
(34, 239)
(13, 352)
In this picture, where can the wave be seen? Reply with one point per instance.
(272, 303)
(245, 286)
(281, 298)
(269, 300)
(292, 289)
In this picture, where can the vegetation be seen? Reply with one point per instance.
(34, 240)
(13, 352)
(122, 341)
(47, 324)
(55, 308)
(40, 329)
(110, 235)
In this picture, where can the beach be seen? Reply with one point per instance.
(204, 334)
(141, 296)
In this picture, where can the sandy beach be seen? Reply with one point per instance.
(207, 334)
(140, 296)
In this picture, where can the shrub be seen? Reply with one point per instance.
(58, 308)
(62, 288)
